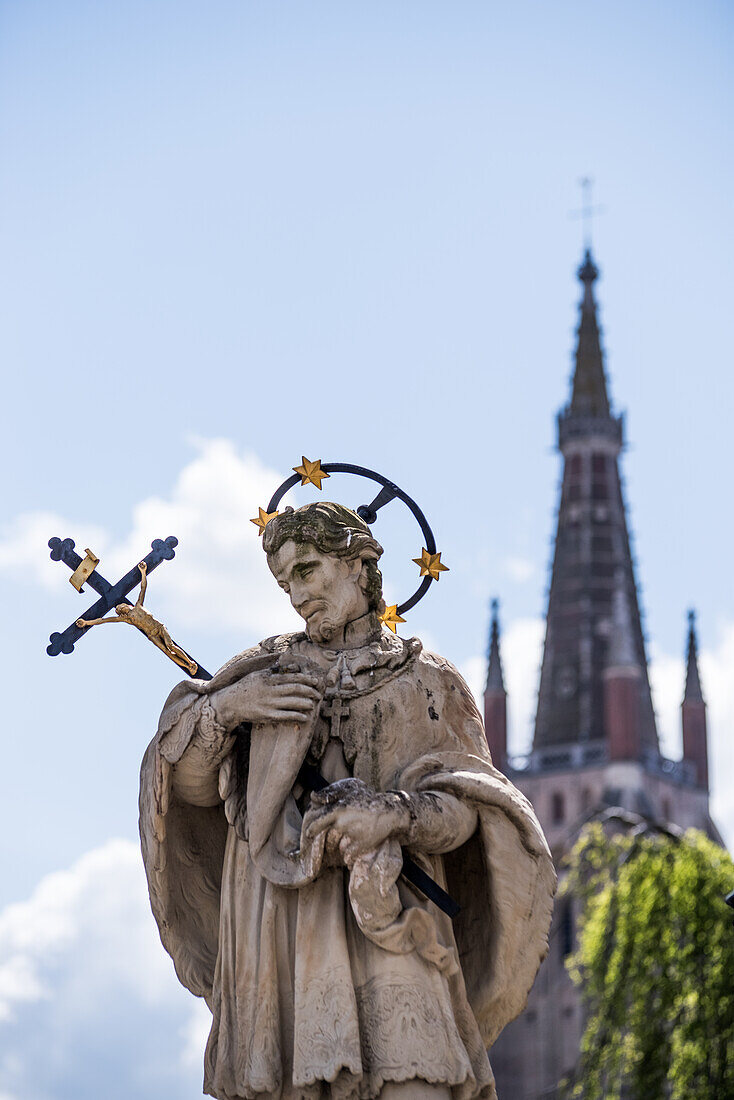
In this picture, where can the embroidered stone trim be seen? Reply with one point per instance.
(403, 1032)
(213, 738)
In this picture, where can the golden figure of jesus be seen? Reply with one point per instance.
(138, 616)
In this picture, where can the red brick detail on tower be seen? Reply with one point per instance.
(495, 725)
(622, 712)
(695, 748)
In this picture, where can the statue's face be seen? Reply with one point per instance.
(324, 589)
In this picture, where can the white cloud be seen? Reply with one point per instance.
(667, 677)
(218, 578)
(24, 544)
(85, 980)
(519, 569)
(522, 648)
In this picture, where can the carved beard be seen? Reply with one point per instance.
(325, 630)
(329, 617)
(320, 625)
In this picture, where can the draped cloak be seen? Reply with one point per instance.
(315, 974)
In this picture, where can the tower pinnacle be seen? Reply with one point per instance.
(693, 712)
(495, 696)
(693, 680)
(495, 678)
(589, 393)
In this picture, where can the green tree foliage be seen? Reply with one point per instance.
(655, 962)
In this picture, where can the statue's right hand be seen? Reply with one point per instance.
(266, 697)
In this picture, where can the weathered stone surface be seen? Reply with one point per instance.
(327, 973)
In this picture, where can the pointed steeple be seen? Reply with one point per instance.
(495, 696)
(693, 713)
(589, 394)
(495, 678)
(594, 620)
(693, 691)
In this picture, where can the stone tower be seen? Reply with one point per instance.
(595, 747)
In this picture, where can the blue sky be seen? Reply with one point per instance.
(236, 233)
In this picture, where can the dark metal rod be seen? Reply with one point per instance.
(312, 780)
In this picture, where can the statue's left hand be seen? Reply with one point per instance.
(355, 818)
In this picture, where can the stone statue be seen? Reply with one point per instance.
(327, 973)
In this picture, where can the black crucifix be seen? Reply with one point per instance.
(84, 571)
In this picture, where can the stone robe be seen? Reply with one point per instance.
(324, 981)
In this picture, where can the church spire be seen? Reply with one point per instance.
(495, 678)
(693, 680)
(495, 696)
(693, 713)
(593, 577)
(589, 394)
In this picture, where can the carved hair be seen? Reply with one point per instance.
(332, 529)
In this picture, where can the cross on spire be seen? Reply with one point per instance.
(588, 210)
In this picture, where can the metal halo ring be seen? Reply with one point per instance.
(368, 512)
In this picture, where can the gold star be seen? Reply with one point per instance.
(430, 564)
(262, 520)
(390, 618)
(311, 472)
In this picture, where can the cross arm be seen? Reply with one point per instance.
(110, 595)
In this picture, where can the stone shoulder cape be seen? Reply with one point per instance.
(503, 878)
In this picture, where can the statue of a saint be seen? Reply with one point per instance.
(327, 973)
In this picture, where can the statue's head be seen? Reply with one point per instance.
(324, 556)
(123, 610)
